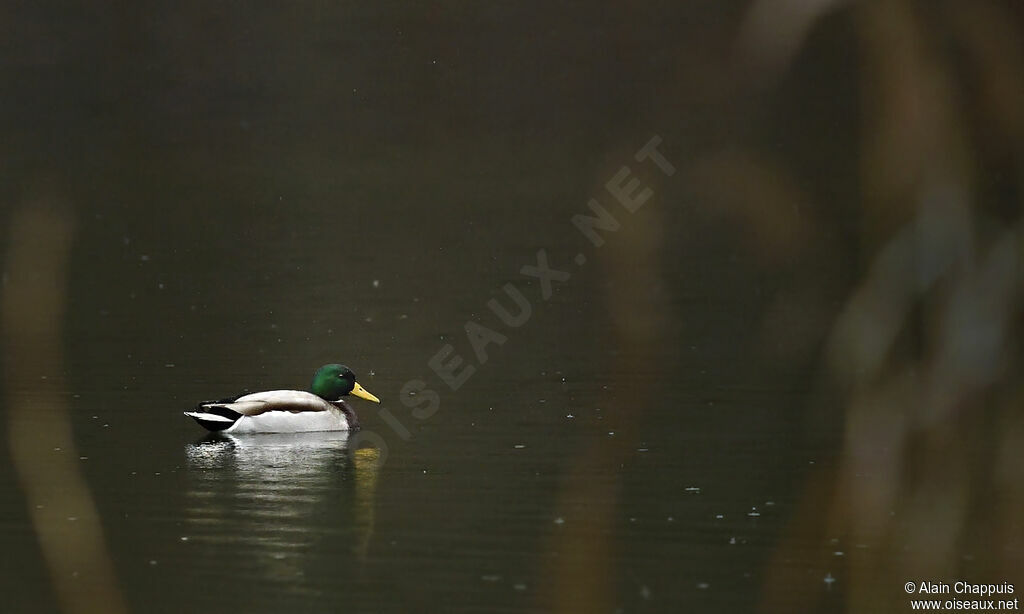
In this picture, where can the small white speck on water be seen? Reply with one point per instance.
(95, 417)
(519, 587)
(643, 450)
(105, 425)
(838, 553)
(611, 433)
(703, 585)
(670, 519)
(376, 283)
(490, 578)
(160, 286)
(559, 520)
(403, 316)
(83, 458)
(753, 514)
(632, 519)
(152, 561)
(184, 538)
(569, 416)
(39, 506)
(732, 541)
(694, 489)
(56, 449)
(169, 365)
(519, 446)
(829, 579)
(144, 257)
(72, 518)
(719, 516)
(542, 400)
(645, 593)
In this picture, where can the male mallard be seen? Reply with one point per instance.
(289, 411)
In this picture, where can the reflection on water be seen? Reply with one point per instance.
(278, 499)
(818, 315)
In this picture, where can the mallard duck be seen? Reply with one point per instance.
(289, 411)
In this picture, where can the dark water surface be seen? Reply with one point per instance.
(784, 383)
(557, 439)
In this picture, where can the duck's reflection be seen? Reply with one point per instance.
(282, 505)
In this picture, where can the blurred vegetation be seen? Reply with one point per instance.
(885, 206)
(850, 186)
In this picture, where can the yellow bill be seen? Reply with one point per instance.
(361, 392)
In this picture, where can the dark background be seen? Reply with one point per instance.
(789, 382)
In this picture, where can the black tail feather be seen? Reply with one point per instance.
(211, 425)
(215, 407)
(214, 417)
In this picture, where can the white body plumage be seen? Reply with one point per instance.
(274, 411)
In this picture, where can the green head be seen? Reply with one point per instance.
(331, 382)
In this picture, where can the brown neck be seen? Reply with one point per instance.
(350, 414)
